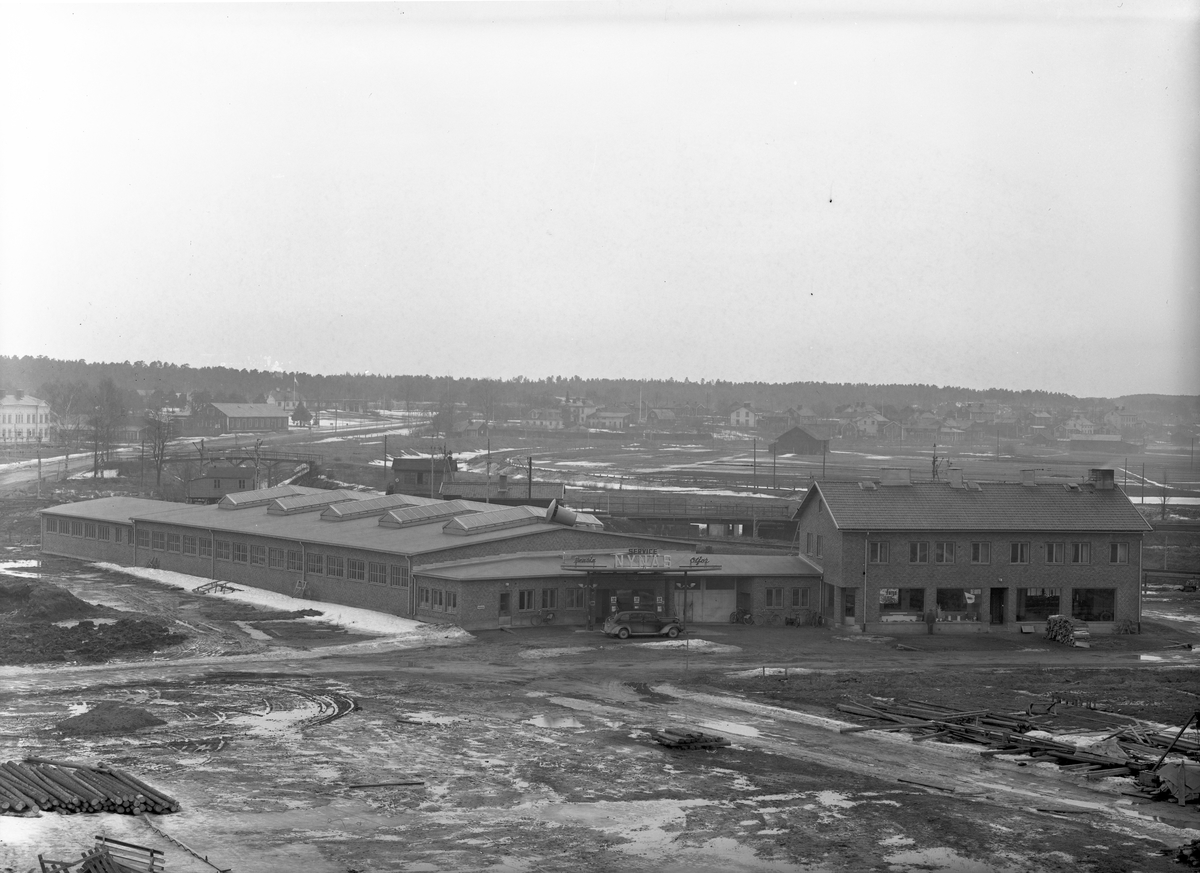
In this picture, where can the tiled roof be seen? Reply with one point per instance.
(995, 506)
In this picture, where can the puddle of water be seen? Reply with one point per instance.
(554, 721)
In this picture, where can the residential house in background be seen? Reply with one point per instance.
(743, 416)
(421, 475)
(24, 418)
(610, 419)
(543, 419)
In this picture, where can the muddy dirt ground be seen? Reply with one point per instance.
(532, 748)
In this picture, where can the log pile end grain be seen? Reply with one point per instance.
(38, 784)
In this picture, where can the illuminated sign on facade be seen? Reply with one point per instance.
(639, 561)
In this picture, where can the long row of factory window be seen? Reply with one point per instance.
(965, 604)
(292, 560)
(88, 530)
(946, 552)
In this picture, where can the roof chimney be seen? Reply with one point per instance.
(1105, 479)
(956, 478)
(1029, 477)
(896, 476)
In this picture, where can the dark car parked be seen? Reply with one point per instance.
(647, 624)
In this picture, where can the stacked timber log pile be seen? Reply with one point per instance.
(1064, 629)
(57, 786)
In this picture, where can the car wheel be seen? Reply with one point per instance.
(623, 633)
(673, 632)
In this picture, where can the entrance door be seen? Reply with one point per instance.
(997, 605)
(848, 605)
(505, 612)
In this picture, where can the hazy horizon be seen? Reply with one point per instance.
(984, 196)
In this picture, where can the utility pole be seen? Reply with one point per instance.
(531, 477)
(39, 457)
(1143, 483)
(1125, 467)
(487, 472)
(385, 463)
(142, 465)
(432, 449)
(773, 466)
(754, 466)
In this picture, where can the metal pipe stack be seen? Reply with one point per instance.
(58, 786)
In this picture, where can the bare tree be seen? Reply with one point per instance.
(158, 434)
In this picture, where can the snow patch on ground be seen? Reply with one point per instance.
(17, 569)
(350, 617)
(705, 646)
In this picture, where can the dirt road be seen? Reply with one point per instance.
(532, 751)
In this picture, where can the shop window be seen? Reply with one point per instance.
(258, 555)
(1036, 604)
(206, 548)
(189, 544)
(1118, 553)
(878, 553)
(575, 598)
(943, 553)
(376, 573)
(1081, 553)
(398, 576)
(275, 559)
(241, 553)
(549, 598)
(958, 604)
(158, 540)
(356, 570)
(1018, 553)
(800, 598)
(1094, 604)
(1055, 553)
(174, 542)
(901, 604)
(918, 553)
(335, 566)
(295, 564)
(314, 563)
(526, 600)
(981, 553)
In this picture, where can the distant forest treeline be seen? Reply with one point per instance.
(52, 379)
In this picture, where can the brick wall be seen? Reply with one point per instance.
(998, 573)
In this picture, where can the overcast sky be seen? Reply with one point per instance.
(1000, 195)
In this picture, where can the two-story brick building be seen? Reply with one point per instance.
(964, 556)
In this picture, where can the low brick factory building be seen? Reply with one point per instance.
(449, 561)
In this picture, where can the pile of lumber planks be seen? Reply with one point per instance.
(57, 786)
(674, 738)
(1064, 629)
(1004, 734)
